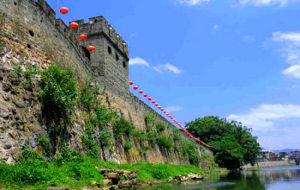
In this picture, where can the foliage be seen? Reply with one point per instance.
(232, 143)
(27, 155)
(90, 144)
(189, 148)
(88, 95)
(101, 116)
(152, 136)
(160, 127)
(176, 134)
(35, 173)
(165, 141)
(122, 127)
(230, 152)
(149, 121)
(28, 73)
(68, 154)
(105, 138)
(73, 172)
(45, 144)
(128, 145)
(58, 91)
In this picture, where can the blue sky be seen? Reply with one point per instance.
(237, 59)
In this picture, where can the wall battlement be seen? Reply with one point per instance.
(100, 26)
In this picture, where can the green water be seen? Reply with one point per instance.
(280, 178)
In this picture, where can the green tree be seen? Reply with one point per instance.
(232, 143)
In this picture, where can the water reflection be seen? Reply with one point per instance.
(281, 178)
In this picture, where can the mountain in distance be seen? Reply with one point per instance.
(288, 150)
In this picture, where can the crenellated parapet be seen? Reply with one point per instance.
(100, 26)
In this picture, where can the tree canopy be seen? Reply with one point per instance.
(232, 143)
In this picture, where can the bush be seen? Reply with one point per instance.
(45, 144)
(149, 120)
(160, 127)
(128, 145)
(101, 116)
(165, 141)
(28, 155)
(122, 127)
(189, 148)
(68, 154)
(105, 138)
(91, 145)
(58, 91)
(176, 135)
(152, 137)
(88, 95)
(140, 135)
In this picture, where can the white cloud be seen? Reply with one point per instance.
(216, 26)
(193, 2)
(264, 117)
(158, 68)
(259, 3)
(167, 67)
(293, 71)
(138, 61)
(248, 38)
(172, 109)
(289, 44)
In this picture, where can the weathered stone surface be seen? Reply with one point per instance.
(107, 182)
(125, 184)
(7, 146)
(113, 176)
(58, 188)
(195, 176)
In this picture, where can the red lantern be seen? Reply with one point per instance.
(156, 104)
(141, 92)
(130, 83)
(73, 25)
(135, 87)
(83, 37)
(64, 10)
(159, 107)
(91, 48)
(153, 102)
(165, 112)
(145, 95)
(149, 98)
(162, 109)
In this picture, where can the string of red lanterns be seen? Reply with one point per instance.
(74, 25)
(170, 116)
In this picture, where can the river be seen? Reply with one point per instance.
(279, 178)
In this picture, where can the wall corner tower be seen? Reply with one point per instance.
(110, 60)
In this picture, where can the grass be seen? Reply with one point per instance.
(73, 170)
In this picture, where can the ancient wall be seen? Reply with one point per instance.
(30, 34)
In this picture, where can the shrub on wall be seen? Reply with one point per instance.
(165, 141)
(122, 127)
(105, 138)
(190, 149)
(58, 91)
(160, 127)
(90, 144)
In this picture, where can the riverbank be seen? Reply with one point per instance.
(75, 171)
(269, 164)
